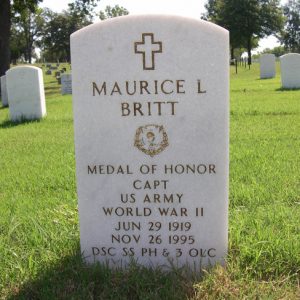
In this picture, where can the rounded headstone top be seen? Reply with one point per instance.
(155, 18)
(288, 55)
(24, 68)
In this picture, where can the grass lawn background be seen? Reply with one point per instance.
(39, 234)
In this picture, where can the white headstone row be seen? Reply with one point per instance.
(290, 69)
(151, 135)
(23, 90)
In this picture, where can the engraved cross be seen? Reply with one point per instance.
(147, 47)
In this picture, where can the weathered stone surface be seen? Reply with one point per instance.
(150, 96)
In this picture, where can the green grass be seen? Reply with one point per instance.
(39, 236)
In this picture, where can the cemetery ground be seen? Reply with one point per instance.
(39, 234)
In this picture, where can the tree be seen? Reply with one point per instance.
(83, 8)
(28, 27)
(219, 12)
(18, 6)
(277, 51)
(54, 36)
(5, 27)
(56, 39)
(112, 12)
(290, 36)
(59, 26)
(247, 20)
(17, 44)
(4, 35)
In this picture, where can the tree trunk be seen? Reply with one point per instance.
(232, 52)
(29, 56)
(29, 51)
(68, 52)
(5, 22)
(249, 46)
(28, 35)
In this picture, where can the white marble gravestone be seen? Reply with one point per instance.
(26, 96)
(4, 97)
(66, 84)
(151, 135)
(290, 70)
(267, 66)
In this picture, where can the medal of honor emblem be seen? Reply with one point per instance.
(151, 139)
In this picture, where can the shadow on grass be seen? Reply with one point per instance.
(267, 113)
(52, 90)
(9, 123)
(72, 279)
(265, 78)
(287, 90)
(262, 113)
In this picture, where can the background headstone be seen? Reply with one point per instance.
(151, 139)
(4, 97)
(25, 89)
(267, 66)
(48, 72)
(66, 84)
(290, 70)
